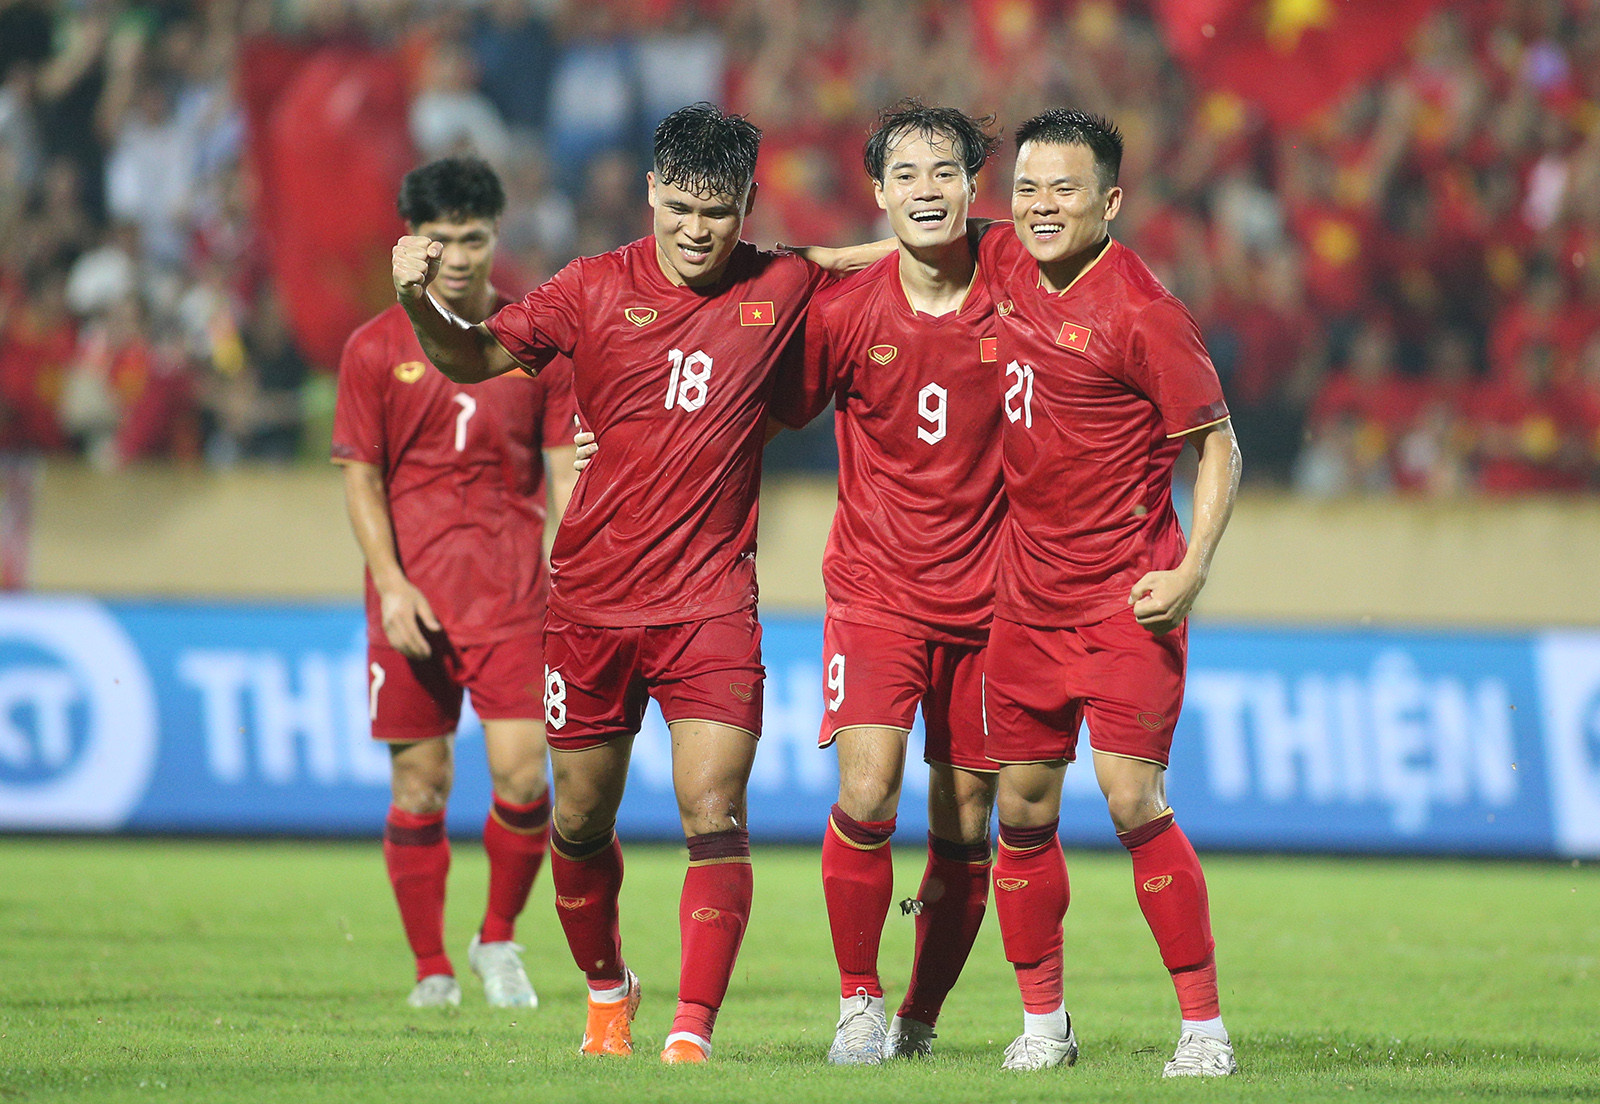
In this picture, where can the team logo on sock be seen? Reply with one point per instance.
(705, 915)
(1010, 885)
(1152, 721)
(571, 902)
(639, 316)
(1156, 885)
(409, 372)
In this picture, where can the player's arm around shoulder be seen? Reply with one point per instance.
(1162, 599)
(465, 352)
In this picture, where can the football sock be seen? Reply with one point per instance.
(954, 895)
(416, 852)
(1054, 1024)
(587, 876)
(1172, 895)
(1031, 897)
(1212, 1027)
(516, 838)
(712, 914)
(857, 883)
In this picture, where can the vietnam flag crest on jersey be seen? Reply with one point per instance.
(1074, 337)
(757, 314)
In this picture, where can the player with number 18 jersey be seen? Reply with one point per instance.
(675, 382)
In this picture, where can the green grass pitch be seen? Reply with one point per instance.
(274, 971)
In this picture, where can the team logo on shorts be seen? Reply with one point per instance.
(639, 316)
(1156, 885)
(570, 903)
(1152, 721)
(741, 690)
(409, 372)
(1010, 885)
(988, 350)
(883, 354)
(1074, 337)
(555, 699)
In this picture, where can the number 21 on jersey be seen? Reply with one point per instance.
(1020, 394)
(686, 387)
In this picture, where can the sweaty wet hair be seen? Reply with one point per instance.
(968, 136)
(1060, 127)
(453, 189)
(705, 152)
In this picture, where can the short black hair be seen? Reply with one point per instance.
(1062, 127)
(969, 137)
(453, 188)
(706, 152)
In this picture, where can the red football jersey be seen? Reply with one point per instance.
(1100, 383)
(916, 532)
(464, 474)
(675, 383)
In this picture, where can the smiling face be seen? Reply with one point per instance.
(925, 191)
(463, 281)
(695, 234)
(1058, 203)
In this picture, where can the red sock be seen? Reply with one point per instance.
(857, 883)
(516, 838)
(1171, 889)
(712, 914)
(588, 877)
(1031, 896)
(417, 853)
(954, 896)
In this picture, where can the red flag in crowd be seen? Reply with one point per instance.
(1291, 58)
(329, 143)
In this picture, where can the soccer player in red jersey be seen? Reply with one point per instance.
(675, 339)
(446, 491)
(906, 351)
(1105, 379)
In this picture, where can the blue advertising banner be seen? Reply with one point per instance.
(158, 717)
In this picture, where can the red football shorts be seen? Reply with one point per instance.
(598, 680)
(1041, 684)
(875, 677)
(420, 699)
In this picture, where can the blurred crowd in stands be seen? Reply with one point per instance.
(1400, 290)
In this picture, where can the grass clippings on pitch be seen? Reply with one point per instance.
(272, 971)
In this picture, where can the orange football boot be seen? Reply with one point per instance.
(609, 1029)
(683, 1052)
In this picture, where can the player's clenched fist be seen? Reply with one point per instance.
(416, 263)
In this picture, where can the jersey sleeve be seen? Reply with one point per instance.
(544, 323)
(1167, 361)
(560, 404)
(807, 373)
(358, 429)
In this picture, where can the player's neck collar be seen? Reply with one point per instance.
(1099, 253)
